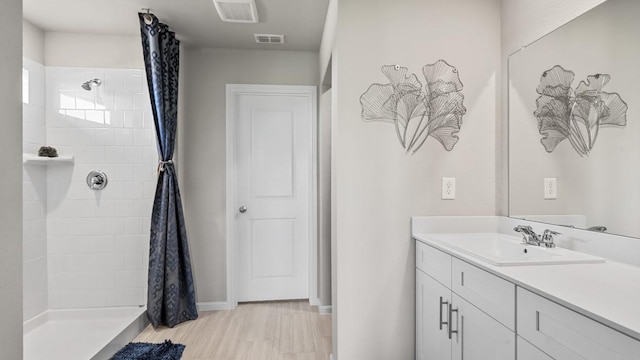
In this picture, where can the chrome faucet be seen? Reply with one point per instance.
(528, 235)
(531, 238)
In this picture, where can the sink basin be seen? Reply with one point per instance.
(506, 250)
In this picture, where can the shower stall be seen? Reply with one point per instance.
(87, 211)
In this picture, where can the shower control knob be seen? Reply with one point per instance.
(97, 180)
(243, 209)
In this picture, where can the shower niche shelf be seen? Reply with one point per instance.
(32, 159)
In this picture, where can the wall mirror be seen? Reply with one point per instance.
(574, 123)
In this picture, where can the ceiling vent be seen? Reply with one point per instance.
(238, 11)
(269, 39)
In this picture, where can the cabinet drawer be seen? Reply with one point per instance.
(434, 263)
(564, 334)
(491, 294)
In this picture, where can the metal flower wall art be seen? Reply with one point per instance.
(577, 115)
(418, 112)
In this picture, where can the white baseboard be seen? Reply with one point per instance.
(322, 309)
(222, 305)
(214, 306)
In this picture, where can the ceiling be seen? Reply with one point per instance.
(195, 22)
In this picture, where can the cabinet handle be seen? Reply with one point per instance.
(451, 311)
(442, 303)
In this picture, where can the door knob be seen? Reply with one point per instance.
(243, 209)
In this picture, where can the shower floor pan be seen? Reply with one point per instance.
(94, 334)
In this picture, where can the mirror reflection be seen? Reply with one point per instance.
(574, 124)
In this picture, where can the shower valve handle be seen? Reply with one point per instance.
(97, 180)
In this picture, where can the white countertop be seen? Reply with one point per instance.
(608, 292)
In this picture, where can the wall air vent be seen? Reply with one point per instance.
(269, 39)
(238, 11)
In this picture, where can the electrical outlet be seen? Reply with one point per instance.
(550, 188)
(448, 188)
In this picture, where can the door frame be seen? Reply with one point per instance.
(232, 93)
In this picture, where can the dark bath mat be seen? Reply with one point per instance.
(147, 351)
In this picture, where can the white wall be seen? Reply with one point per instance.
(377, 187)
(93, 50)
(98, 240)
(34, 195)
(10, 181)
(523, 22)
(203, 145)
(32, 42)
(84, 248)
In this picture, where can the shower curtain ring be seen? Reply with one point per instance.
(148, 18)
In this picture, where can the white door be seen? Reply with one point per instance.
(273, 162)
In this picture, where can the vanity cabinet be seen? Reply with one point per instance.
(457, 310)
(564, 334)
(526, 351)
(464, 312)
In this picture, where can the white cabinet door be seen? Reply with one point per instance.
(432, 299)
(526, 351)
(567, 335)
(478, 336)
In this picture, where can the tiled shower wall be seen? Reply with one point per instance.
(98, 240)
(34, 195)
(96, 246)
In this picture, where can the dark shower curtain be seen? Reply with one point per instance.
(171, 296)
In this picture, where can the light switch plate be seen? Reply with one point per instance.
(448, 188)
(550, 188)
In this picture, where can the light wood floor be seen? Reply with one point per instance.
(291, 330)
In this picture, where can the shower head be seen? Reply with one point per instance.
(88, 85)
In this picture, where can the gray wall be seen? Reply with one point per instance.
(324, 198)
(202, 145)
(10, 179)
(377, 187)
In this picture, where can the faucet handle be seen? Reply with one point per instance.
(547, 238)
(519, 228)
